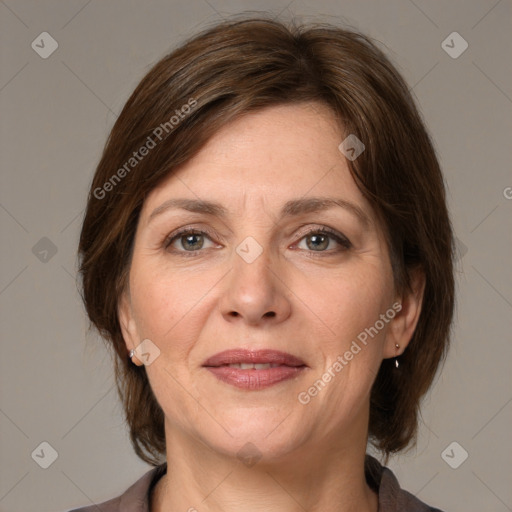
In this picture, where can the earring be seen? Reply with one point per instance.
(131, 354)
(397, 346)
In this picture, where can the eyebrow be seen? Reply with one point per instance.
(291, 208)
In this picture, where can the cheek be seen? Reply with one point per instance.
(349, 301)
(350, 306)
(159, 311)
(163, 299)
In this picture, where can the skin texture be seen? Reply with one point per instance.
(304, 295)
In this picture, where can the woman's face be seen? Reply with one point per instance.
(263, 273)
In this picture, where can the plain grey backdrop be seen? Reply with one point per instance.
(58, 104)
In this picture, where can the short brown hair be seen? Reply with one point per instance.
(237, 67)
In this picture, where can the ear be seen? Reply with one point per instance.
(127, 323)
(404, 323)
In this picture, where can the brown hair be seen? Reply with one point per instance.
(236, 67)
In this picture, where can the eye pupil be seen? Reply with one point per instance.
(314, 245)
(190, 239)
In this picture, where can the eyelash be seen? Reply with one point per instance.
(340, 239)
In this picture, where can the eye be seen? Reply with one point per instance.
(187, 240)
(319, 240)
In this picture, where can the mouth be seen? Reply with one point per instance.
(254, 370)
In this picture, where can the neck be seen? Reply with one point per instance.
(328, 476)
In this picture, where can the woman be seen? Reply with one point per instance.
(267, 249)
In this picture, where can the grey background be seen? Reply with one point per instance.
(56, 380)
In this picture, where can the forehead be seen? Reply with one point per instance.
(272, 155)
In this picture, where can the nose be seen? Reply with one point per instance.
(255, 292)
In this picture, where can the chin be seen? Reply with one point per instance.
(267, 435)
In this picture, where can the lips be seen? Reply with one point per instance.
(254, 370)
(241, 356)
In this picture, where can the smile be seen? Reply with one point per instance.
(254, 370)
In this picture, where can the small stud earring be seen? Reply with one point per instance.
(397, 346)
(131, 354)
